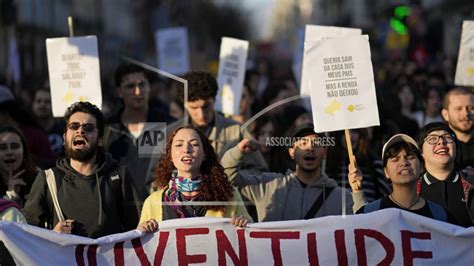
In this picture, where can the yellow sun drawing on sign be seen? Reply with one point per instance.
(351, 108)
(68, 97)
(470, 71)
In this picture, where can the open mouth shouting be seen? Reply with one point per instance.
(188, 159)
(406, 171)
(79, 143)
(309, 158)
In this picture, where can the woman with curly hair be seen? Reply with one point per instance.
(188, 176)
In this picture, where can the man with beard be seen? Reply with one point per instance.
(301, 194)
(458, 111)
(95, 195)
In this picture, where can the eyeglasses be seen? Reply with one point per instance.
(433, 139)
(130, 87)
(88, 127)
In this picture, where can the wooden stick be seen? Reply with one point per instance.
(349, 148)
(71, 28)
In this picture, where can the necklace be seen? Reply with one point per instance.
(401, 205)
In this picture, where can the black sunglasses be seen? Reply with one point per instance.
(88, 127)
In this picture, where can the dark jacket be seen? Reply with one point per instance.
(124, 148)
(467, 186)
(101, 204)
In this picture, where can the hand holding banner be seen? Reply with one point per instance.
(385, 237)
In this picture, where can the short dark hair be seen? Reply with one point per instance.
(396, 148)
(126, 69)
(428, 128)
(88, 108)
(455, 91)
(201, 86)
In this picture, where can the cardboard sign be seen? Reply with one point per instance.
(232, 61)
(465, 66)
(343, 94)
(74, 72)
(314, 33)
(173, 50)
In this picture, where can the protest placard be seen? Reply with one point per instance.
(465, 66)
(74, 72)
(314, 33)
(172, 50)
(232, 60)
(343, 94)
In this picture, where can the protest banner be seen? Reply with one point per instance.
(74, 72)
(230, 77)
(172, 50)
(315, 33)
(465, 66)
(342, 77)
(385, 237)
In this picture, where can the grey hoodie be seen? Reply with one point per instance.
(280, 197)
(102, 203)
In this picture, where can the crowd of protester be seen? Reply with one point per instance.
(420, 158)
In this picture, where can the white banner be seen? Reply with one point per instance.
(172, 50)
(343, 94)
(232, 61)
(313, 34)
(465, 67)
(386, 237)
(74, 72)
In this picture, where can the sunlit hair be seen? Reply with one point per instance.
(455, 91)
(214, 185)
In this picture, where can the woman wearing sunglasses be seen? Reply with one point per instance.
(191, 183)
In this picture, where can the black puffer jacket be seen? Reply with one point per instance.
(102, 203)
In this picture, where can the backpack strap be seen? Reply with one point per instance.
(51, 181)
(438, 212)
(318, 203)
(373, 206)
